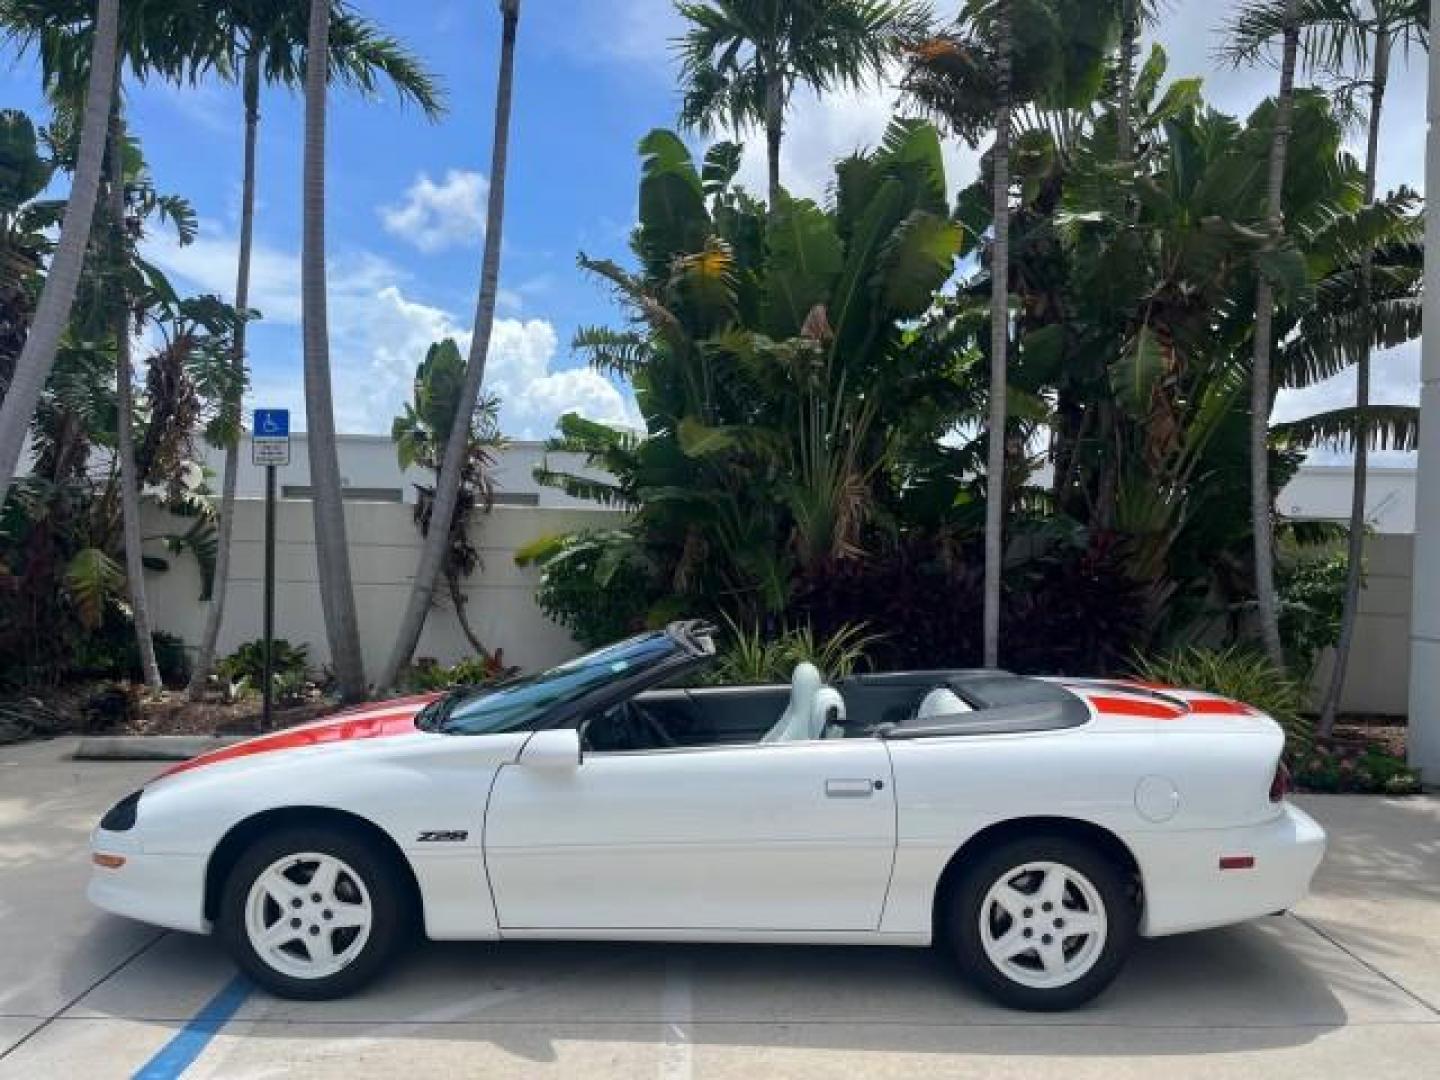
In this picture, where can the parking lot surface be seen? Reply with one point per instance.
(1347, 985)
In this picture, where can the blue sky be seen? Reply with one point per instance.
(406, 197)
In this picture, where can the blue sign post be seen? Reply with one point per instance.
(270, 447)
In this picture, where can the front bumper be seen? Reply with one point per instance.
(1185, 889)
(166, 890)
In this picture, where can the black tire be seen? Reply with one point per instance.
(382, 881)
(963, 921)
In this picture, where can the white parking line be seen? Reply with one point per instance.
(677, 1007)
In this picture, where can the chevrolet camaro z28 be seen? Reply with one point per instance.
(1034, 827)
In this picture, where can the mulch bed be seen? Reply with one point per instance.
(176, 715)
(1384, 733)
(121, 709)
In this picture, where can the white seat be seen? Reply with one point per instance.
(939, 703)
(798, 721)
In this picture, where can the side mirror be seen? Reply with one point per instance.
(557, 748)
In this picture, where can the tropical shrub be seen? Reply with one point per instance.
(1359, 769)
(426, 675)
(244, 669)
(600, 585)
(1240, 673)
(1067, 609)
(1312, 598)
(751, 656)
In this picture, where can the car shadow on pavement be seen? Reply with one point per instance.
(1273, 983)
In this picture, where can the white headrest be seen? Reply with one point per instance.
(940, 702)
(796, 720)
(827, 712)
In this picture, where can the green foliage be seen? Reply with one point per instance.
(1357, 769)
(598, 584)
(1237, 672)
(1311, 590)
(426, 676)
(289, 666)
(749, 656)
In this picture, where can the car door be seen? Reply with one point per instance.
(790, 836)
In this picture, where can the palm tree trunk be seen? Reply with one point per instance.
(1261, 503)
(337, 595)
(447, 484)
(999, 347)
(1127, 78)
(52, 313)
(215, 617)
(458, 598)
(125, 415)
(1355, 551)
(774, 132)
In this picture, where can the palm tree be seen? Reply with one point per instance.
(447, 483)
(421, 434)
(124, 406)
(1340, 36)
(974, 76)
(742, 59)
(337, 595)
(53, 311)
(269, 37)
(1287, 25)
(1133, 16)
(999, 340)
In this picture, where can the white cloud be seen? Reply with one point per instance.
(378, 333)
(435, 216)
(822, 129)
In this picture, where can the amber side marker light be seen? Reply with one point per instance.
(1237, 862)
(109, 862)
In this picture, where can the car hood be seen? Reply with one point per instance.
(381, 720)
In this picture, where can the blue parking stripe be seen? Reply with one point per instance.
(189, 1042)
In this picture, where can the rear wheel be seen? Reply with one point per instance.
(1042, 923)
(312, 913)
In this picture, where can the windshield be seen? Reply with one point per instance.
(520, 703)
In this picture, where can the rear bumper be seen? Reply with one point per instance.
(1185, 889)
(165, 890)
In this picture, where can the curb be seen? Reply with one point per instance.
(150, 747)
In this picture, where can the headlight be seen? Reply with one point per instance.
(121, 816)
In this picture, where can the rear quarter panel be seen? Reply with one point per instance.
(950, 789)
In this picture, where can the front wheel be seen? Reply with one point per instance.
(311, 913)
(1042, 923)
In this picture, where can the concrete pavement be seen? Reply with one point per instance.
(1349, 984)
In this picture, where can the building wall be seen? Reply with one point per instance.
(385, 547)
(384, 550)
(1323, 493)
(1379, 677)
(368, 467)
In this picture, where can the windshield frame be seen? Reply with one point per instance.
(691, 645)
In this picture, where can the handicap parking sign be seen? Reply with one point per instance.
(271, 442)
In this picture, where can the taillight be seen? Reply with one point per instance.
(1280, 785)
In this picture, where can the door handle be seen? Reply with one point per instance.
(850, 789)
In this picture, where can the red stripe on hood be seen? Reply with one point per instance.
(371, 722)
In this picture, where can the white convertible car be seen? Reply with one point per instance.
(1035, 827)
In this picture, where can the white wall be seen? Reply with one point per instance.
(384, 550)
(1379, 676)
(1323, 493)
(368, 461)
